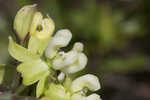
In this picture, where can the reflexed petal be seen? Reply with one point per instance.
(61, 39)
(87, 81)
(33, 71)
(20, 53)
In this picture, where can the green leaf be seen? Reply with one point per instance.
(37, 46)
(33, 71)
(20, 53)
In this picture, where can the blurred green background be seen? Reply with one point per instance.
(116, 35)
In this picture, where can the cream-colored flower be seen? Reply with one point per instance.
(61, 39)
(87, 81)
(72, 61)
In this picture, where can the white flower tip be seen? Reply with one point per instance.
(93, 97)
(78, 47)
(62, 38)
(89, 81)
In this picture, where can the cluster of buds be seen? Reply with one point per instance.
(45, 64)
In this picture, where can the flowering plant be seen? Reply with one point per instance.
(43, 62)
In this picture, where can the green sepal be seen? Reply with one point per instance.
(20, 53)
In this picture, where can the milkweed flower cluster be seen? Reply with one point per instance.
(45, 64)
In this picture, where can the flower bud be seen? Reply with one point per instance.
(23, 20)
(57, 92)
(87, 81)
(61, 39)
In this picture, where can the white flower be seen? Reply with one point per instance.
(78, 65)
(72, 61)
(87, 81)
(61, 39)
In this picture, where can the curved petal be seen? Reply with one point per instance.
(87, 81)
(93, 97)
(78, 66)
(61, 39)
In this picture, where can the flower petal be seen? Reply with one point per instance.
(33, 71)
(77, 97)
(20, 53)
(41, 86)
(23, 20)
(93, 97)
(57, 92)
(78, 66)
(61, 39)
(87, 81)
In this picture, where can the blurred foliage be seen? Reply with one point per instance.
(115, 34)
